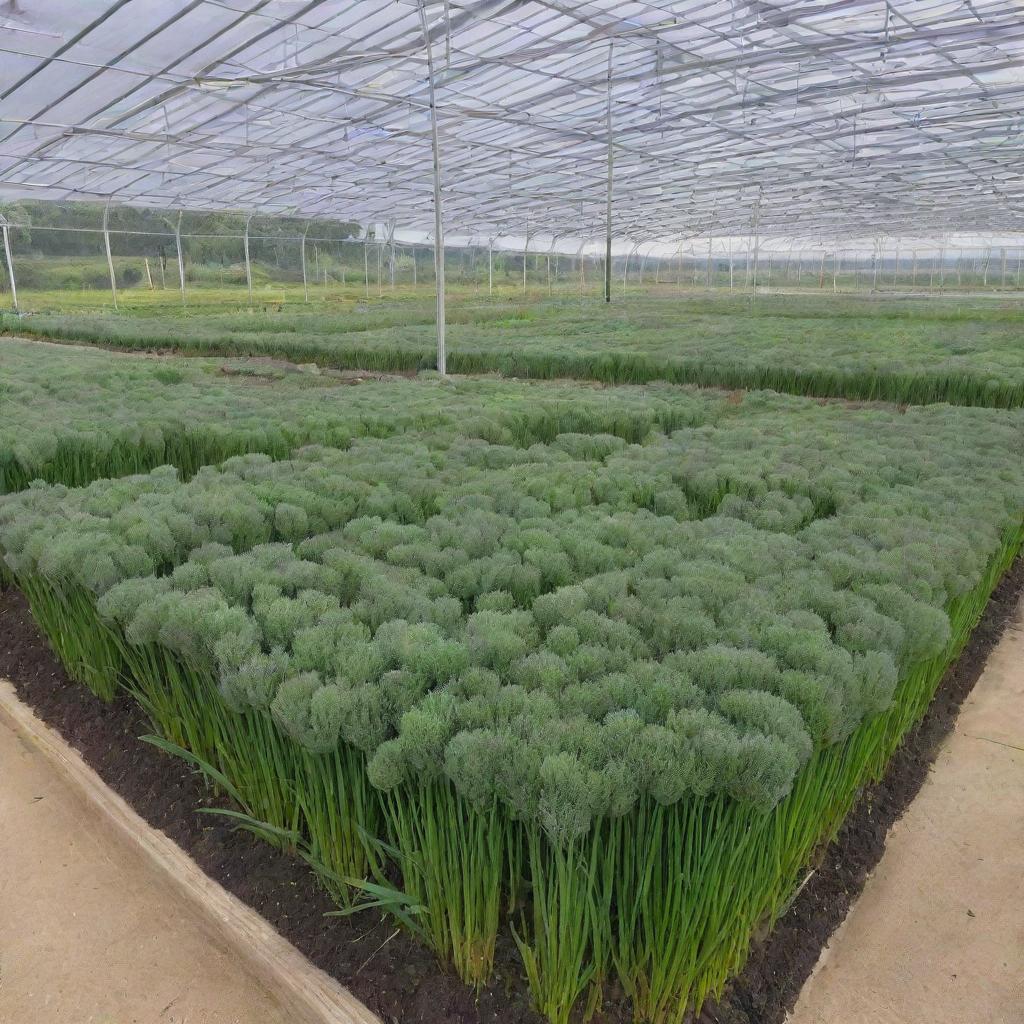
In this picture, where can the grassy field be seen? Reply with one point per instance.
(964, 351)
(594, 668)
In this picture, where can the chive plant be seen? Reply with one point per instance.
(72, 416)
(602, 673)
(860, 351)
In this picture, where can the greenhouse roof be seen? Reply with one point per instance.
(818, 117)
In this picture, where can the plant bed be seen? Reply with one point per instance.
(602, 693)
(823, 346)
(393, 975)
(400, 980)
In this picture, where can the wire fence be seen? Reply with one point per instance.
(47, 267)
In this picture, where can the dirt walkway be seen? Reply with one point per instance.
(89, 934)
(937, 937)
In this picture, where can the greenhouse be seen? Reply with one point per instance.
(515, 508)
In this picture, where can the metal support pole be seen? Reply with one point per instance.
(1002, 274)
(896, 270)
(305, 285)
(366, 268)
(490, 267)
(835, 270)
(181, 260)
(442, 362)
(248, 265)
(821, 271)
(608, 198)
(710, 242)
(10, 263)
(110, 259)
(731, 285)
(942, 267)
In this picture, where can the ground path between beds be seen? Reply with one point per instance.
(93, 924)
(937, 936)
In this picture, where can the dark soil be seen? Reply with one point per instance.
(778, 967)
(392, 974)
(389, 972)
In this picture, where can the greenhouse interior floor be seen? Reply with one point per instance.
(936, 936)
(89, 931)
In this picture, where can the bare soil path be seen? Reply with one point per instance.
(937, 936)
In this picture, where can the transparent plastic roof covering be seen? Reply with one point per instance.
(817, 117)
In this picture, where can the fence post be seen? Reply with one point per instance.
(110, 259)
(391, 254)
(757, 243)
(10, 262)
(526, 250)
(305, 285)
(181, 259)
(248, 265)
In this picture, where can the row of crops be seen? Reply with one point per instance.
(853, 350)
(595, 669)
(73, 416)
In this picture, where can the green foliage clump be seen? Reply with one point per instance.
(536, 675)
